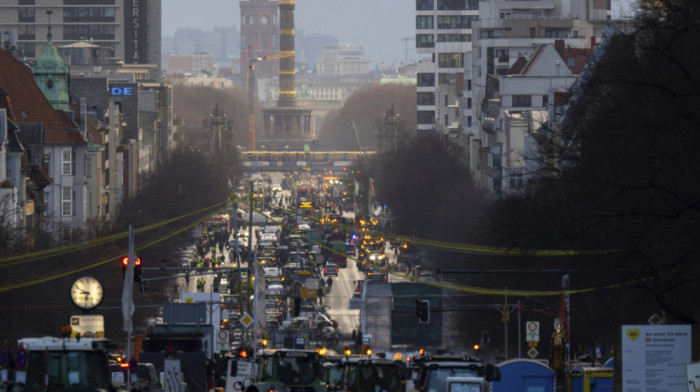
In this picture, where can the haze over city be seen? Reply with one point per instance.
(377, 26)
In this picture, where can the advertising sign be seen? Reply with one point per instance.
(88, 326)
(654, 357)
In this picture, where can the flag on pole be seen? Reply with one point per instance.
(127, 293)
(259, 299)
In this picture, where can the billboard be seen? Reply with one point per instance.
(654, 357)
(88, 326)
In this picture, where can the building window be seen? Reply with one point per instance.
(426, 80)
(545, 100)
(447, 123)
(556, 33)
(469, 103)
(424, 22)
(454, 22)
(522, 100)
(516, 181)
(453, 5)
(447, 78)
(81, 32)
(571, 62)
(89, 14)
(504, 14)
(66, 201)
(26, 32)
(451, 60)
(447, 103)
(469, 121)
(426, 117)
(26, 14)
(454, 38)
(426, 98)
(425, 41)
(67, 163)
(469, 85)
(424, 5)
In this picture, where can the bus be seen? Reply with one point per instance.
(283, 370)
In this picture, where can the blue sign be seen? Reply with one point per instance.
(21, 358)
(121, 91)
(4, 355)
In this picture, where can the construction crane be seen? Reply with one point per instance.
(251, 91)
(227, 71)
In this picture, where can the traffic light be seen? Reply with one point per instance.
(138, 274)
(423, 310)
(125, 263)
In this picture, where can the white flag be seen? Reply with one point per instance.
(127, 293)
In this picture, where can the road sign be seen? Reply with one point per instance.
(532, 331)
(21, 358)
(171, 379)
(222, 342)
(246, 320)
(4, 355)
(532, 352)
(306, 148)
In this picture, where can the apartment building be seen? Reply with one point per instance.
(506, 33)
(444, 34)
(129, 30)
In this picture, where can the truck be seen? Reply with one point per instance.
(465, 384)
(289, 370)
(430, 373)
(338, 255)
(59, 364)
(368, 374)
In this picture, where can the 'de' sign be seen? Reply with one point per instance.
(121, 91)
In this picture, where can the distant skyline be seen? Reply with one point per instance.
(376, 25)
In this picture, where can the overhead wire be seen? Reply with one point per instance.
(445, 285)
(53, 252)
(56, 275)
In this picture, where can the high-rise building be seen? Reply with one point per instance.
(443, 31)
(130, 30)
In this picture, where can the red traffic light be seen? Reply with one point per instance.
(137, 262)
(125, 261)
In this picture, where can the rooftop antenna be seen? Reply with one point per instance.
(49, 12)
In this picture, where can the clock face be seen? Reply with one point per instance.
(86, 292)
(263, 20)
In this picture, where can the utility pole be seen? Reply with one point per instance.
(251, 99)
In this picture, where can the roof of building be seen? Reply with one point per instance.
(28, 101)
(28, 104)
(533, 59)
(518, 66)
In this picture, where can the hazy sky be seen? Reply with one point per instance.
(376, 25)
